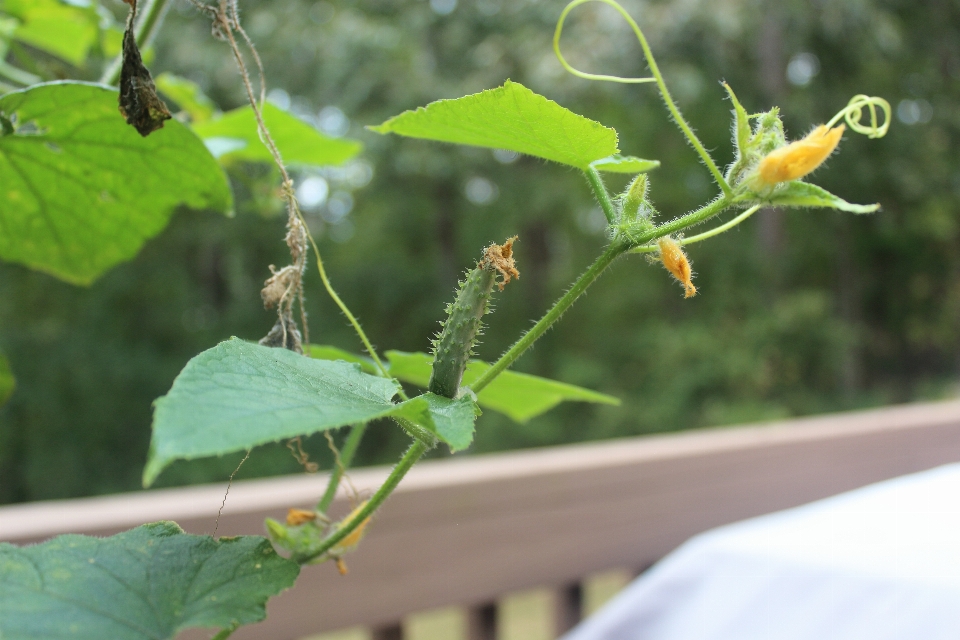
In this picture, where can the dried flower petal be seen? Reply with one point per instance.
(675, 260)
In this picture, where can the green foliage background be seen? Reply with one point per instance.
(797, 313)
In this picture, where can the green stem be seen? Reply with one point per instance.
(657, 76)
(705, 212)
(592, 273)
(346, 458)
(564, 303)
(416, 450)
(600, 191)
(706, 234)
(19, 76)
(345, 310)
(144, 32)
(561, 305)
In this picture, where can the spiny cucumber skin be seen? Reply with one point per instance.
(455, 345)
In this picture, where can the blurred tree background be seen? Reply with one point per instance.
(797, 313)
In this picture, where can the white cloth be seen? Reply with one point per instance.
(877, 563)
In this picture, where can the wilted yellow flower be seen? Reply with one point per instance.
(675, 260)
(297, 517)
(799, 158)
(353, 538)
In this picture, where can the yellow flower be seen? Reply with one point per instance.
(799, 158)
(675, 260)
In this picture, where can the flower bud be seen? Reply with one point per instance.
(633, 198)
(799, 158)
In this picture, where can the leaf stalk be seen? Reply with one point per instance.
(600, 191)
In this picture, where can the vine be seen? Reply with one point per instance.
(208, 409)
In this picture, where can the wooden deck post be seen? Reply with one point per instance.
(568, 608)
(389, 632)
(482, 622)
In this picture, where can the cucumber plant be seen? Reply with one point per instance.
(111, 169)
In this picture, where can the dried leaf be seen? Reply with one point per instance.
(139, 103)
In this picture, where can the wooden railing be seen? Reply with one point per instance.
(465, 531)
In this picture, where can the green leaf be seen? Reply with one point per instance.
(188, 96)
(453, 420)
(234, 137)
(82, 191)
(804, 194)
(7, 381)
(517, 395)
(326, 352)
(238, 395)
(509, 117)
(67, 31)
(624, 164)
(148, 583)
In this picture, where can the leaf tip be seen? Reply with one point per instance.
(151, 471)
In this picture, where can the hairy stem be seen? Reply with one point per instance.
(705, 212)
(600, 191)
(413, 454)
(561, 305)
(589, 276)
(346, 457)
(349, 315)
(700, 237)
(19, 76)
(144, 32)
(657, 76)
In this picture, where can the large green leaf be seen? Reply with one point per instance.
(234, 136)
(81, 191)
(66, 30)
(509, 117)
(148, 583)
(518, 395)
(238, 395)
(804, 194)
(7, 381)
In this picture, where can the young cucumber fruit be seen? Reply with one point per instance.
(453, 348)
